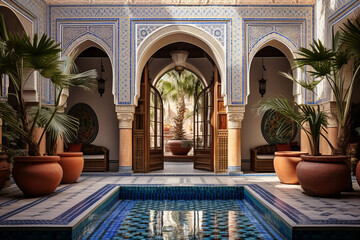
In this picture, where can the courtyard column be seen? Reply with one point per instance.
(37, 133)
(125, 115)
(235, 116)
(330, 110)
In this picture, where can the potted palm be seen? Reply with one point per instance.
(330, 65)
(21, 58)
(176, 87)
(318, 175)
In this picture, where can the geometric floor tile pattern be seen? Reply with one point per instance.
(303, 211)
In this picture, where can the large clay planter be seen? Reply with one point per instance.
(4, 170)
(323, 176)
(179, 147)
(285, 163)
(72, 164)
(4, 176)
(37, 175)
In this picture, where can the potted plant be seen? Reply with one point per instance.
(281, 131)
(21, 58)
(318, 175)
(331, 65)
(176, 86)
(4, 169)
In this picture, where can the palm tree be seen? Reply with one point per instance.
(21, 57)
(332, 65)
(176, 87)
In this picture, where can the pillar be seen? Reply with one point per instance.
(125, 115)
(235, 117)
(332, 129)
(37, 133)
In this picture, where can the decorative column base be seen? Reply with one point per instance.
(235, 171)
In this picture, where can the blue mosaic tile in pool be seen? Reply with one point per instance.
(181, 219)
(181, 193)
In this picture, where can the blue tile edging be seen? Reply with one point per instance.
(277, 222)
(146, 192)
(42, 229)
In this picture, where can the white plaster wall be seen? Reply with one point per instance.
(276, 85)
(104, 107)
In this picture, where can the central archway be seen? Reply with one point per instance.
(179, 33)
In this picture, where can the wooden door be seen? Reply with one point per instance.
(148, 147)
(156, 140)
(203, 130)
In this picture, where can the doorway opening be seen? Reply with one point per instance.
(177, 105)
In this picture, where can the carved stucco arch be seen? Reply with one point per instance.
(188, 67)
(24, 20)
(287, 47)
(179, 33)
(89, 40)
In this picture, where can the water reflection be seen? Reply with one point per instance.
(176, 224)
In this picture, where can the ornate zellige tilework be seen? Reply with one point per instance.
(234, 51)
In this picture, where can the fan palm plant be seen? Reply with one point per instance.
(332, 65)
(23, 57)
(176, 87)
(306, 115)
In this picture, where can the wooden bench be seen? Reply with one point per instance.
(96, 158)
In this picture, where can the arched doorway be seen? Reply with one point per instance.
(147, 150)
(13, 26)
(100, 103)
(7, 89)
(266, 64)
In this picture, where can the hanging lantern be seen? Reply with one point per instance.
(101, 81)
(262, 87)
(262, 81)
(179, 57)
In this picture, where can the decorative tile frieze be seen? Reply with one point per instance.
(183, 2)
(230, 36)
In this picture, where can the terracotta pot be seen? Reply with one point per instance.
(179, 147)
(358, 172)
(4, 170)
(37, 175)
(4, 176)
(285, 163)
(323, 176)
(72, 164)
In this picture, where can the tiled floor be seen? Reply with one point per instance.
(180, 168)
(71, 202)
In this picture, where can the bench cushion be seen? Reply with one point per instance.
(263, 156)
(99, 156)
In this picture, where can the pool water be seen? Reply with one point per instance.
(180, 219)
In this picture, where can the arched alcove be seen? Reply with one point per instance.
(284, 45)
(179, 33)
(90, 55)
(275, 58)
(86, 41)
(13, 26)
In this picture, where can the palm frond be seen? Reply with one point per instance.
(56, 123)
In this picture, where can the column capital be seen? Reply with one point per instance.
(125, 115)
(235, 116)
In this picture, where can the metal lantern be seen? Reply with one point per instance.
(179, 57)
(101, 81)
(262, 81)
